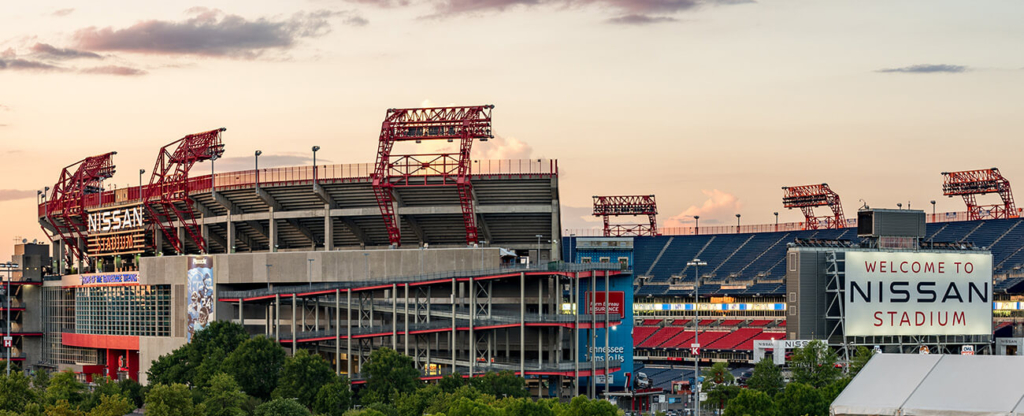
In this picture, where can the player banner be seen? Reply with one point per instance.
(906, 293)
(200, 294)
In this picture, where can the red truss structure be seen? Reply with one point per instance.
(464, 124)
(608, 206)
(77, 181)
(971, 183)
(806, 197)
(169, 186)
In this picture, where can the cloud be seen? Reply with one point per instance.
(640, 20)
(14, 194)
(114, 70)
(17, 64)
(63, 12)
(634, 10)
(503, 148)
(242, 163)
(718, 207)
(580, 218)
(213, 33)
(926, 69)
(52, 52)
(4, 108)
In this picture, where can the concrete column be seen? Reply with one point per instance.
(241, 313)
(181, 238)
(231, 234)
(294, 322)
(607, 331)
(273, 231)
(204, 232)
(337, 331)
(328, 229)
(158, 242)
(348, 333)
(522, 324)
(406, 329)
(453, 350)
(277, 317)
(472, 322)
(394, 316)
(316, 314)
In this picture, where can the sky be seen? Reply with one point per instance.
(711, 105)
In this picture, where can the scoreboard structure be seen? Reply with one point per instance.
(117, 231)
(893, 290)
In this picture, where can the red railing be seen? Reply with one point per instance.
(760, 228)
(358, 172)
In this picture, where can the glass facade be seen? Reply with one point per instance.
(59, 317)
(123, 310)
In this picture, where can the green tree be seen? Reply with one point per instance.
(281, 407)
(224, 397)
(132, 390)
(717, 384)
(256, 365)
(800, 399)
(170, 400)
(104, 387)
(467, 407)
(751, 402)
(34, 409)
(115, 405)
(859, 360)
(64, 386)
(814, 364)
(363, 412)
(767, 377)
(582, 406)
(451, 382)
(194, 363)
(388, 374)
(15, 391)
(302, 377)
(334, 399)
(41, 380)
(527, 407)
(63, 408)
(14, 366)
(503, 384)
(830, 392)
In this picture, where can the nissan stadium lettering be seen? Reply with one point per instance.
(121, 219)
(918, 293)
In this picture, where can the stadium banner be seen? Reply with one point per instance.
(902, 293)
(116, 231)
(595, 303)
(620, 337)
(200, 294)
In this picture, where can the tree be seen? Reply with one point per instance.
(582, 406)
(717, 380)
(527, 407)
(830, 392)
(104, 387)
(132, 390)
(115, 405)
(451, 382)
(14, 366)
(814, 364)
(223, 397)
(63, 408)
(467, 407)
(860, 358)
(503, 384)
(363, 412)
(334, 399)
(302, 377)
(170, 400)
(767, 377)
(800, 399)
(281, 407)
(751, 402)
(388, 374)
(256, 365)
(15, 391)
(194, 363)
(41, 380)
(171, 368)
(64, 386)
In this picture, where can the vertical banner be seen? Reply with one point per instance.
(200, 294)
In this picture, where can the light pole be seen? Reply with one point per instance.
(141, 171)
(737, 223)
(696, 227)
(7, 291)
(258, 153)
(315, 148)
(309, 272)
(213, 171)
(776, 221)
(933, 210)
(696, 331)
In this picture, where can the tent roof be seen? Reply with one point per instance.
(911, 384)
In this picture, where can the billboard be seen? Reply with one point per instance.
(595, 303)
(906, 293)
(200, 294)
(116, 231)
(620, 337)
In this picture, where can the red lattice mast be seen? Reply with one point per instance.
(464, 124)
(971, 183)
(77, 181)
(168, 190)
(806, 197)
(609, 206)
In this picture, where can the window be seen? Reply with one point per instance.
(624, 261)
(792, 310)
(792, 262)
(585, 260)
(605, 260)
(792, 297)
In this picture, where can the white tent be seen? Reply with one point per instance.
(912, 384)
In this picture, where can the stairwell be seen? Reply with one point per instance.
(732, 254)
(683, 273)
(763, 253)
(661, 253)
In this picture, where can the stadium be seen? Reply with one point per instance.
(464, 265)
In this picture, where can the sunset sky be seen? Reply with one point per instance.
(710, 105)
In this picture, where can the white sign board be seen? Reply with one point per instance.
(8, 342)
(890, 293)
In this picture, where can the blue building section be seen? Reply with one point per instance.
(620, 341)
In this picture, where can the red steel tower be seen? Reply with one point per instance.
(971, 183)
(464, 124)
(168, 190)
(78, 181)
(806, 197)
(607, 206)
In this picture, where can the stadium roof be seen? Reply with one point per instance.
(910, 384)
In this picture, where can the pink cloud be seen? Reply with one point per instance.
(500, 148)
(719, 206)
